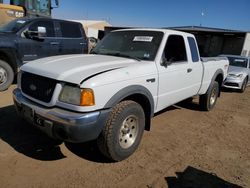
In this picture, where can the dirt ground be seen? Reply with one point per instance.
(185, 148)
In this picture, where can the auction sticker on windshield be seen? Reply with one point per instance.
(143, 39)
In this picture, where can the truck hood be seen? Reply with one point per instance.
(6, 34)
(75, 68)
(236, 70)
(6, 38)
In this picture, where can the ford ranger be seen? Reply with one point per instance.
(112, 94)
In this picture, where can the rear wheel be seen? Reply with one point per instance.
(6, 75)
(208, 100)
(244, 85)
(123, 131)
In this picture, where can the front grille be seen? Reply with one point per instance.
(38, 87)
(231, 84)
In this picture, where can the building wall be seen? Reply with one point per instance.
(211, 44)
(246, 46)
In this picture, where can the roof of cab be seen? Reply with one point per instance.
(169, 31)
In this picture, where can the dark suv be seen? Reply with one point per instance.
(27, 39)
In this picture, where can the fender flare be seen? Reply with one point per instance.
(9, 55)
(218, 72)
(128, 91)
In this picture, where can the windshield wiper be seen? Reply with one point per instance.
(122, 55)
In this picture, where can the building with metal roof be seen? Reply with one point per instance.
(214, 41)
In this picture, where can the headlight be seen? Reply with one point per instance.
(77, 96)
(236, 75)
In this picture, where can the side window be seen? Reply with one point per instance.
(193, 49)
(50, 32)
(175, 50)
(70, 30)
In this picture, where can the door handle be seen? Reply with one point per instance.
(54, 43)
(189, 70)
(151, 80)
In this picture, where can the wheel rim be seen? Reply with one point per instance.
(129, 131)
(213, 97)
(3, 76)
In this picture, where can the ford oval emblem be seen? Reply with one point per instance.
(33, 87)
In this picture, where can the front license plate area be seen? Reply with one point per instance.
(28, 113)
(43, 123)
(38, 120)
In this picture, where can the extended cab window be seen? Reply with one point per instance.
(70, 30)
(175, 50)
(193, 49)
(50, 32)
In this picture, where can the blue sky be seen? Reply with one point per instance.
(229, 14)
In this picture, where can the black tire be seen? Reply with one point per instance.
(244, 85)
(208, 100)
(123, 131)
(6, 75)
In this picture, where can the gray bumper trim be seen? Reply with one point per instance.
(63, 124)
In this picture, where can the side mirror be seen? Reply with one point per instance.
(36, 35)
(56, 4)
(41, 32)
(165, 62)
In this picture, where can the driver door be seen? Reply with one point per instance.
(32, 47)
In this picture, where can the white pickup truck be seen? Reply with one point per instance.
(112, 94)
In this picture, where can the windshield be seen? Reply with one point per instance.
(13, 26)
(237, 62)
(140, 45)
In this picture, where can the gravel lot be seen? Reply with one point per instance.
(185, 148)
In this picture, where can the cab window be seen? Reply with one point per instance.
(193, 49)
(70, 30)
(175, 50)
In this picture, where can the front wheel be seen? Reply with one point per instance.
(123, 131)
(244, 85)
(208, 100)
(6, 75)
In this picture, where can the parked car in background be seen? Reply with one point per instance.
(238, 73)
(92, 41)
(27, 39)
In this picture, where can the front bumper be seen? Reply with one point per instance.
(233, 83)
(60, 123)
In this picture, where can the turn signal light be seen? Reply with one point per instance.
(87, 97)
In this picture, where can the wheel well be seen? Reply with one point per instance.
(145, 103)
(219, 79)
(7, 58)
